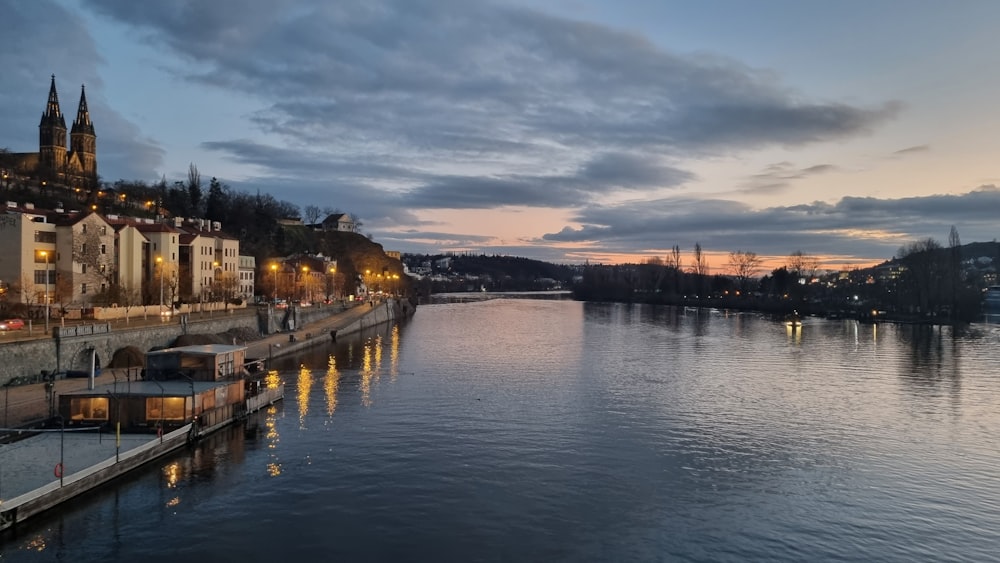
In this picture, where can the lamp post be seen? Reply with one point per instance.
(305, 283)
(45, 254)
(274, 270)
(159, 266)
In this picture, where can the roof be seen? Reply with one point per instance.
(171, 388)
(200, 349)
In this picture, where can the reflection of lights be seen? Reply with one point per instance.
(174, 502)
(330, 384)
(366, 376)
(394, 353)
(173, 474)
(271, 379)
(36, 543)
(305, 386)
(272, 437)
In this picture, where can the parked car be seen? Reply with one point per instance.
(11, 324)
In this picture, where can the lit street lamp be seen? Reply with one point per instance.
(305, 283)
(159, 265)
(45, 254)
(274, 270)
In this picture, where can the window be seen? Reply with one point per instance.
(83, 228)
(104, 230)
(83, 288)
(83, 268)
(43, 236)
(164, 408)
(89, 408)
(104, 249)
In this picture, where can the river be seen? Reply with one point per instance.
(535, 430)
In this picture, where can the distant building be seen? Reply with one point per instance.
(248, 265)
(75, 167)
(338, 222)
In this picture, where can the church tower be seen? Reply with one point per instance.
(83, 140)
(52, 135)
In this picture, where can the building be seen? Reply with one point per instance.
(338, 222)
(247, 269)
(75, 166)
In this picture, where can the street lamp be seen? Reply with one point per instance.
(305, 283)
(45, 254)
(274, 270)
(159, 266)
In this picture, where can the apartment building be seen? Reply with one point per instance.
(78, 258)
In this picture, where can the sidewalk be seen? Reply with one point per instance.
(280, 343)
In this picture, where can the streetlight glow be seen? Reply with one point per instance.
(45, 254)
(159, 265)
(274, 270)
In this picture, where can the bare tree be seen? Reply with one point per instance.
(311, 214)
(744, 265)
(802, 264)
(357, 222)
(700, 265)
(225, 287)
(194, 190)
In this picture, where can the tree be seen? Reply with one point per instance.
(225, 287)
(194, 189)
(743, 265)
(700, 265)
(923, 271)
(954, 269)
(802, 264)
(699, 268)
(215, 206)
(312, 213)
(357, 222)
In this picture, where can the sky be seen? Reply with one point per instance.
(570, 131)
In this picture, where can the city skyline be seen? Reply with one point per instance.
(561, 130)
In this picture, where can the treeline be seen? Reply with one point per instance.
(473, 272)
(924, 282)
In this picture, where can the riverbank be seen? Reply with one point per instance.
(31, 404)
(44, 467)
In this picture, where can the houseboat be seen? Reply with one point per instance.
(207, 385)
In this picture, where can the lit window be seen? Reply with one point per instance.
(90, 408)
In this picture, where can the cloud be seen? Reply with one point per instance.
(863, 227)
(912, 150)
(778, 177)
(481, 85)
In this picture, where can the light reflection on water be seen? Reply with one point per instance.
(540, 431)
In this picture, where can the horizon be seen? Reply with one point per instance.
(565, 131)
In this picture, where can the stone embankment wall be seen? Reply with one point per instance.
(69, 348)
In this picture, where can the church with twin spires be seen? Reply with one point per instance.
(75, 167)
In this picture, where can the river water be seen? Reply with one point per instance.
(533, 430)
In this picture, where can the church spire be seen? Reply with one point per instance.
(83, 123)
(53, 115)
